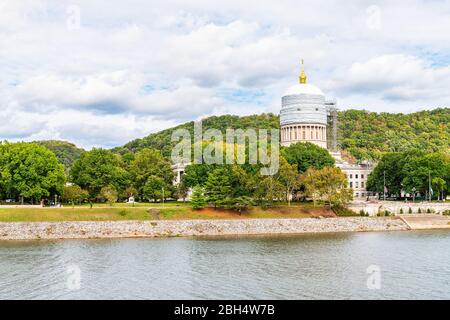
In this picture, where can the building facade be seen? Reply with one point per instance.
(307, 116)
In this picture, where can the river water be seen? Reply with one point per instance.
(375, 265)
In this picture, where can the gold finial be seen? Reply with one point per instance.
(302, 74)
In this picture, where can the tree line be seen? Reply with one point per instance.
(31, 172)
(413, 172)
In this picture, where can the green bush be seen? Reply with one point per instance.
(419, 211)
(342, 211)
(410, 210)
(401, 210)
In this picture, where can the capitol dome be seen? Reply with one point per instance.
(303, 88)
(303, 115)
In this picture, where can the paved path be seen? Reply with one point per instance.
(426, 221)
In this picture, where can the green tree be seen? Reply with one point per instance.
(328, 184)
(198, 199)
(268, 190)
(289, 177)
(99, 168)
(74, 194)
(439, 185)
(389, 169)
(197, 174)
(155, 188)
(130, 191)
(419, 169)
(307, 155)
(110, 194)
(30, 171)
(181, 191)
(150, 163)
(241, 204)
(218, 187)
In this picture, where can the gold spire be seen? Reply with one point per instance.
(302, 74)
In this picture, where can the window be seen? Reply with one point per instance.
(317, 109)
(351, 176)
(362, 184)
(356, 184)
(362, 176)
(362, 194)
(351, 184)
(356, 176)
(357, 195)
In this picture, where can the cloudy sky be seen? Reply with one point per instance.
(100, 73)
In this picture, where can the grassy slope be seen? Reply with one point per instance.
(141, 213)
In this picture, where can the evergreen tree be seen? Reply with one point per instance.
(197, 198)
(218, 187)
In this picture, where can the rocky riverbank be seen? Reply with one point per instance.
(169, 228)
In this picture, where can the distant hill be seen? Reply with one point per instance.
(162, 139)
(366, 135)
(66, 152)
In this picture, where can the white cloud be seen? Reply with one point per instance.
(133, 68)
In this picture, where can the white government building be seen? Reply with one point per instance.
(307, 116)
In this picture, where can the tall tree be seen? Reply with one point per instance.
(147, 163)
(289, 177)
(307, 155)
(74, 194)
(198, 198)
(328, 184)
(389, 172)
(29, 170)
(99, 168)
(110, 194)
(155, 188)
(218, 187)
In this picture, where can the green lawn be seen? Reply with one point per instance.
(136, 204)
(104, 213)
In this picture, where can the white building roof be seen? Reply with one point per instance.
(303, 88)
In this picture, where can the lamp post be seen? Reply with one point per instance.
(414, 193)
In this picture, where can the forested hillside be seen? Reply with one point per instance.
(162, 140)
(66, 152)
(366, 135)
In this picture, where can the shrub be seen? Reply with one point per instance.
(410, 210)
(342, 211)
(419, 211)
(401, 210)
